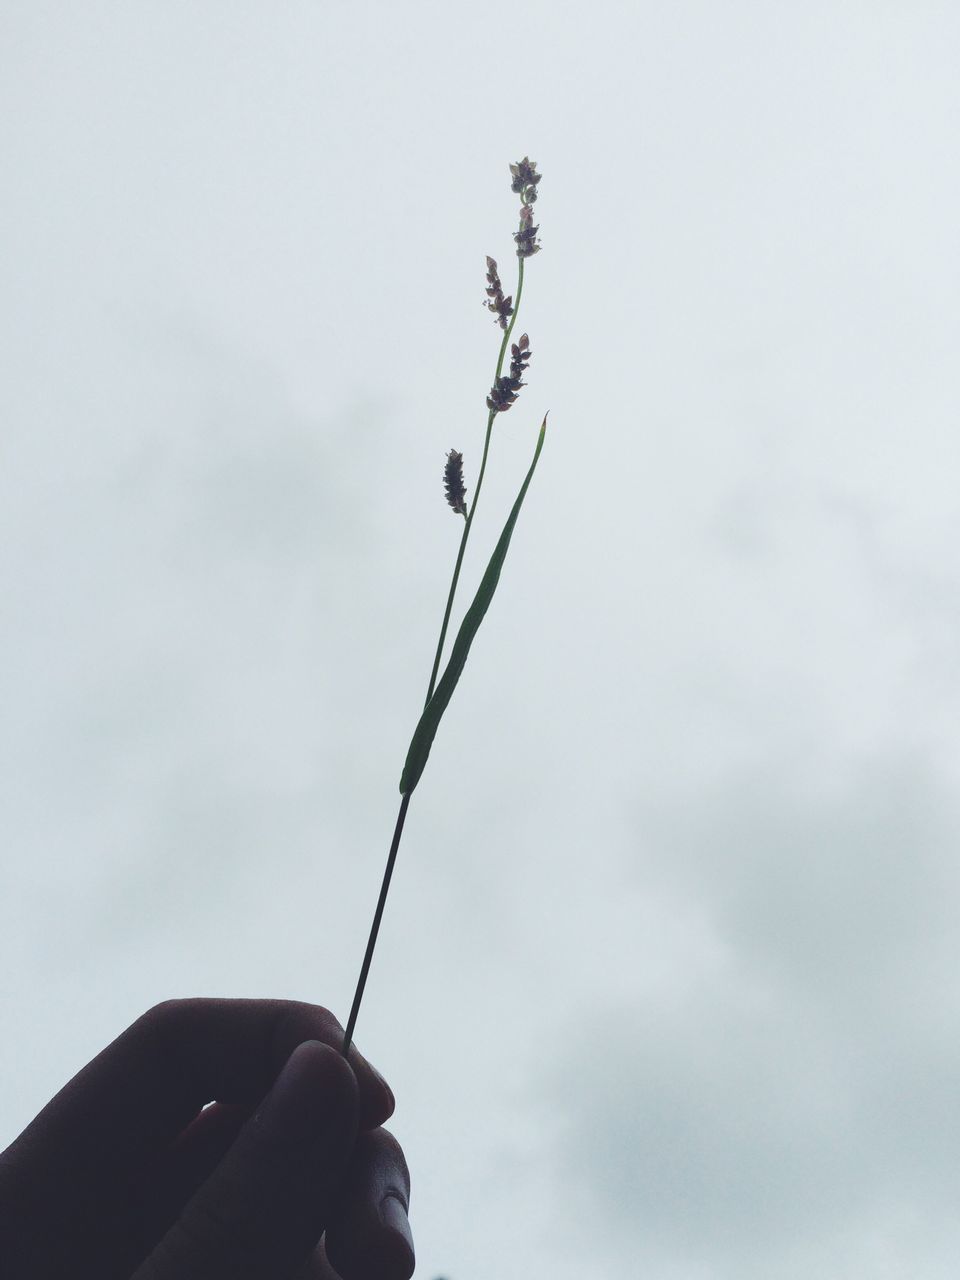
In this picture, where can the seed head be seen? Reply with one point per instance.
(525, 183)
(526, 237)
(519, 356)
(506, 389)
(525, 179)
(501, 307)
(453, 482)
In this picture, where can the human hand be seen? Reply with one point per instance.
(128, 1174)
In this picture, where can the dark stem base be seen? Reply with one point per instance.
(375, 927)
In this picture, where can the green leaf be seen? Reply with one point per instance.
(425, 731)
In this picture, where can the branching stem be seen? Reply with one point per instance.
(401, 816)
(476, 494)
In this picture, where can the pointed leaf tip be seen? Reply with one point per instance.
(422, 741)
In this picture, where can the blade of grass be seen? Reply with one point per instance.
(426, 729)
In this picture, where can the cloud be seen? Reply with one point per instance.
(794, 1105)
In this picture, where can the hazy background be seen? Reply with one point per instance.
(669, 983)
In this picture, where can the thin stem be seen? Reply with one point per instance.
(398, 830)
(375, 927)
(453, 583)
(476, 494)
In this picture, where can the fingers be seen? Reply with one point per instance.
(369, 1236)
(356, 1237)
(232, 1050)
(364, 1244)
(142, 1090)
(178, 1173)
(263, 1209)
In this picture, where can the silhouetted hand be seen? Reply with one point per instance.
(128, 1173)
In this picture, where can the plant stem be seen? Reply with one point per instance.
(398, 830)
(375, 927)
(476, 494)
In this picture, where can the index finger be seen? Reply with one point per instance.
(146, 1086)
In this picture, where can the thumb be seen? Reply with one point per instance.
(263, 1209)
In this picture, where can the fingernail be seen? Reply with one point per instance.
(393, 1215)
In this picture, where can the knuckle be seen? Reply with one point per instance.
(202, 1241)
(196, 1244)
(299, 1021)
(164, 1025)
(381, 1156)
(160, 1017)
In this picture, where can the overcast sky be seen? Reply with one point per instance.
(669, 981)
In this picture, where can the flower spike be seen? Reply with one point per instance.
(501, 307)
(506, 388)
(453, 482)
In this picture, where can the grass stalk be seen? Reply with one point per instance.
(526, 246)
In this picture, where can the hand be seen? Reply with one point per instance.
(128, 1175)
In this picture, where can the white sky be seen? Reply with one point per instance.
(669, 983)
